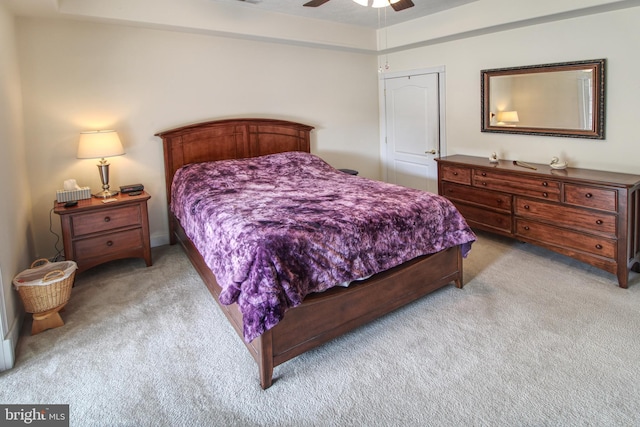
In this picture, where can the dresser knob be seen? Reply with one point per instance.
(109, 243)
(599, 222)
(455, 174)
(545, 184)
(526, 206)
(484, 183)
(499, 201)
(526, 227)
(484, 174)
(107, 219)
(588, 195)
(598, 246)
(545, 194)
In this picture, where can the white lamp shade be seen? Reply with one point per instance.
(508, 116)
(99, 144)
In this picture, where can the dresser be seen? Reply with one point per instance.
(589, 215)
(95, 232)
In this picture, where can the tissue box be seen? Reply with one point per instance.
(63, 196)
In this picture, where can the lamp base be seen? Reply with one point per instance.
(106, 194)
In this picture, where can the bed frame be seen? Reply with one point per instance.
(322, 316)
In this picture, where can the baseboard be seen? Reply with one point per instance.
(9, 343)
(159, 239)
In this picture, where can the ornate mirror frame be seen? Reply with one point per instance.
(563, 99)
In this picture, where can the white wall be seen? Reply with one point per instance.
(612, 35)
(82, 76)
(15, 208)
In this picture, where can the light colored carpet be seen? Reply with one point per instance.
(533, 339)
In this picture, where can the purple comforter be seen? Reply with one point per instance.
(276, 228)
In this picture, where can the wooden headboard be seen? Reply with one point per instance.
(229, 139)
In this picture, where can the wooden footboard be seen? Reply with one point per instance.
(330, 314)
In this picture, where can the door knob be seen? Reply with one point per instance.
(430, 152)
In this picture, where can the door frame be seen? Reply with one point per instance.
(382, 109)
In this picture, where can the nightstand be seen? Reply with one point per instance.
(95, 232)
(349, 171)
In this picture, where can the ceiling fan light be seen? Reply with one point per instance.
(383, 3)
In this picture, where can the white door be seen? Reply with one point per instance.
(412, 111)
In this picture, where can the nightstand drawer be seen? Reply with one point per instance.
(105, 220)
(108, 244)
(591, 197)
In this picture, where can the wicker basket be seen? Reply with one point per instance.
(46, 285)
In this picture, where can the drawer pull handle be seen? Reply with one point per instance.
(110, 243)
(545, 184)
(599, 222)
(526, 206)
(526, 227)
(598, 246)
(107, 219)
(545, 194)
(588, 195)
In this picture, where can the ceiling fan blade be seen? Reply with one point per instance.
(315, 3)
(402, 5)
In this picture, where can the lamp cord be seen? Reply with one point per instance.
(58, 254)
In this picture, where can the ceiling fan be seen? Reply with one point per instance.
(397, 5)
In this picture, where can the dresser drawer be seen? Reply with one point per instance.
(565, 238)
(108, 244)
(520, 185)
(477, 216)
(591, 197)
(105, 220)
(457, 174)
(478, 196)
(564, 216)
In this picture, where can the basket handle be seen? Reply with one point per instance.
(52, 275)
(39, 262)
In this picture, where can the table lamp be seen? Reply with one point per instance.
(507, 118)
(98, 145)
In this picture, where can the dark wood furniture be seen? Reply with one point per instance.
(95, 232)
(323, 316)
(589, 215)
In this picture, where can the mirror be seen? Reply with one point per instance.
(564, 99)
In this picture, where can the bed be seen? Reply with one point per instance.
(304, 319)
